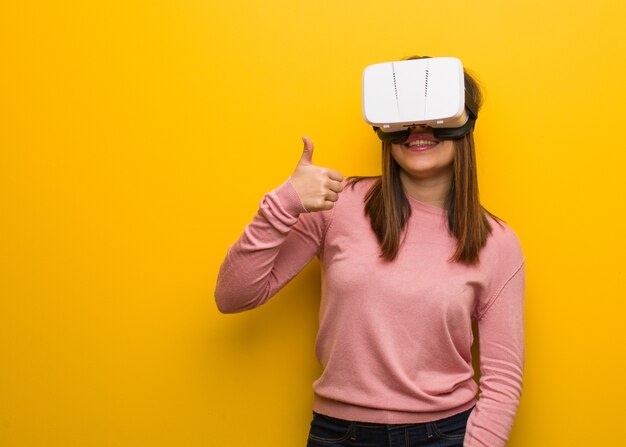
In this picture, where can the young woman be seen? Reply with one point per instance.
(409, 259)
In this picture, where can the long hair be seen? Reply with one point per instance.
(389, 210)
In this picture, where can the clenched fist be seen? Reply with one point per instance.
(317, 187)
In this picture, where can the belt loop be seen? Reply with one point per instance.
(429, 430)
(353, 431)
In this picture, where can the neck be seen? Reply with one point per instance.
(432, 190)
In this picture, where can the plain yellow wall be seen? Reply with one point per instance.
(137, 138)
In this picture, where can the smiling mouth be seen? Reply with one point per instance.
(420, 143)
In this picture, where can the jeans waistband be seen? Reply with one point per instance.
(380, 424)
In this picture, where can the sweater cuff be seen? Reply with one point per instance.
(289, 198)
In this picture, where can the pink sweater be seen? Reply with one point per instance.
(394, 338)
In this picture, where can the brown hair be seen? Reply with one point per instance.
(389, 210)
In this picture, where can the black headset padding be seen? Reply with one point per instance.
(400, 136)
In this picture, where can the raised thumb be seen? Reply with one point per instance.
(307, 152)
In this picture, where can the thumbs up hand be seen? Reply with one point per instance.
(317, 187)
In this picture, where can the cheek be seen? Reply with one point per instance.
(448, 151)
(396, 152)
(396, 148)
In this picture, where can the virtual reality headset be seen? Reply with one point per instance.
(398, 96)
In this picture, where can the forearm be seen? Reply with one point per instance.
(267, 254)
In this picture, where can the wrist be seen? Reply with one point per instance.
(290, 198)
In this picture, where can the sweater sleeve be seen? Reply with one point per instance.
(281, 239)
(501, 338)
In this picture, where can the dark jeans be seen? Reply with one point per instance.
(328, 431)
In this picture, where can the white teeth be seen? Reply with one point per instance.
(422, 143)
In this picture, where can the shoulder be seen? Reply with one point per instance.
(359, 186)
(355, 189)
(503, 249)
(503, 237)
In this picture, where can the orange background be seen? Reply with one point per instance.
(138, 137)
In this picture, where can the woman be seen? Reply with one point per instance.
(408, 259)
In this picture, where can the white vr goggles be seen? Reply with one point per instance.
(398, 96)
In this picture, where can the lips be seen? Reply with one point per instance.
(420, 142)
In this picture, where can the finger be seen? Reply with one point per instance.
(328, 205)
(332, 196)
(307, 151)
(334, 175)
(334, 185)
